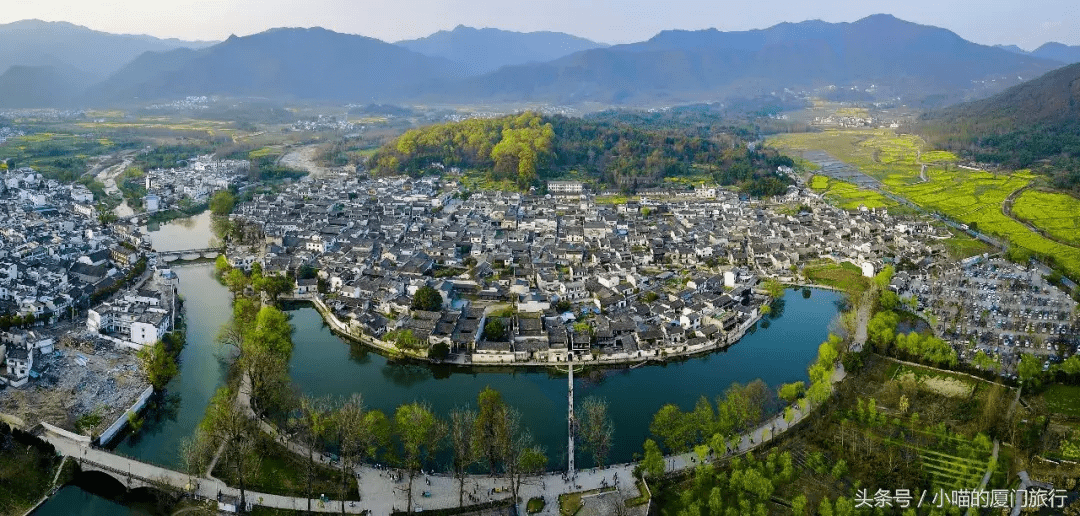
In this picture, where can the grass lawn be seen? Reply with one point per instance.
(26, 474)
(844, 276)
(570, 503)
(962, 246)
(1063, 399)
(284, 473)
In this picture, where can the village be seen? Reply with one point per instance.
(524, 279)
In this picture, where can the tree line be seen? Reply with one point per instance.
(529, 148)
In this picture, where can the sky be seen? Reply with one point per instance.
(1028, 24)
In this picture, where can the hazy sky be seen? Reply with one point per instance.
(1028, 23)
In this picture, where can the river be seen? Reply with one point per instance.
(323, 364)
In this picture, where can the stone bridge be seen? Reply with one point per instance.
(134, 474)
(188, 254)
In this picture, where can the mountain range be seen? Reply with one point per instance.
(878, 57)
(485, 50)
(62, 44)
(1053, 51)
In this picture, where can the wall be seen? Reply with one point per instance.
(122, 421)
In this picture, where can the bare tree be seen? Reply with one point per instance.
(462, 425)
(311, 425)
(596, 428)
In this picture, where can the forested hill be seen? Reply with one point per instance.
(529, 148)
(1034, 124)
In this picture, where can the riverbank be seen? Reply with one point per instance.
(512, 359)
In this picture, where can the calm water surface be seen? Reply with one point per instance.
(323, 364)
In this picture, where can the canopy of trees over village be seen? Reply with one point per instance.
(529, 148)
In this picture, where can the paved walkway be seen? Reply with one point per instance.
(203, 487)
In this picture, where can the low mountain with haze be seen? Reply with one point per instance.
(485, 50)
(288, 63)
(98, 54)
(1053, 51)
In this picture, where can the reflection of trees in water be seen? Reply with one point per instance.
(776, 308)
(765, 324)
(359, 353)
(593, 378)
(404, 374)
(805, 293)
(186, 222)
(842, 303)
(161, 407)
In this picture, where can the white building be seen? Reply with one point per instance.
(565, 187)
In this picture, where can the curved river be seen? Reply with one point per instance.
(323, 364)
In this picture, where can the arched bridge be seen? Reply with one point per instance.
(134, 474)
(189, 254)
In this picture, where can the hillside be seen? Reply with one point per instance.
(524, 150)
(1036, 123)
(279, 63)
(41, 86)
(39, 43)
(880, 55)
(485, 50)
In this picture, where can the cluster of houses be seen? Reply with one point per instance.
(54, 259)
(135, 318)
(196, 180)
(671, 273)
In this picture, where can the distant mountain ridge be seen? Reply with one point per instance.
(485, 50)
(98, 54)
(1054, 51)
(279, 63)
(880, 53)
(876, 58)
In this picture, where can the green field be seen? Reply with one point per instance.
(961, 246)
(848, 196)
(969, 196)
(1063, 399)
(1057, 214)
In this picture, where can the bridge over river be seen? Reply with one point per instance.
(188, 254)
(134, 474)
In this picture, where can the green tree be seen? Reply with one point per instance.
(427, 298)
(222, 203)
(790, 392)
(419, 433)
(495, 329)
(652, 465)
(773, 287)
(799, 505)
(1029, 369)
(490, 434)
(671, 426)
(158, 363)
